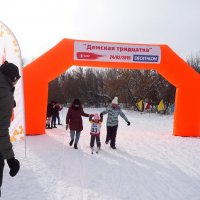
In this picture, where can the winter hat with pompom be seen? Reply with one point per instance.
(115, 100)
(96, 116)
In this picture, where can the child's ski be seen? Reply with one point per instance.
(92, 150)
(97, 151)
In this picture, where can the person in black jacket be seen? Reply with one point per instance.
(49, 115)
(58, 108)
(9, 75)
(54, 114)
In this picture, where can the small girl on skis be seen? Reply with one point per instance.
(95, 131)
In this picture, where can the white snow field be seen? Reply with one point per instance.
(148, 164)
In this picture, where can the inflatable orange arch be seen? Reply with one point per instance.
(70, 52)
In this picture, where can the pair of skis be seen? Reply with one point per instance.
(93, 150)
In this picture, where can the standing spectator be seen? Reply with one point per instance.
(112, 121)
(172, 108)
(1, 169)
(58, 108)
(49, 115)
(74, 121)
(95, 131)
(9, 75)
(54, 114)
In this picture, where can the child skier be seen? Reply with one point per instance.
(95, 131)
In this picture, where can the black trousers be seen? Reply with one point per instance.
(92, 140)
(58, 117)
(1, 170)
(53, 121)
(111, 135)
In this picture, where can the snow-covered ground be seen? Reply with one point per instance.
(149, 164)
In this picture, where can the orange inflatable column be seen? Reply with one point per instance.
(187, 112)
(35, 106)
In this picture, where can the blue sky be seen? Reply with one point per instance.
(40, 24)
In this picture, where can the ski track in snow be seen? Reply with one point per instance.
(149, 164)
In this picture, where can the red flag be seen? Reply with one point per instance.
(147, 106)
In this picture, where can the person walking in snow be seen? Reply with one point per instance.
(9, 75)
(74, 121)
(113, 112)
(95, 131)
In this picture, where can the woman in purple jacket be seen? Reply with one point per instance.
(74, 121)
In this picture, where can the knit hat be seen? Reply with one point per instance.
(76, 102)
(10, 70)
(115, 100)
(96, 116)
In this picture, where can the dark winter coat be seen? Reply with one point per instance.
(49, 109)
(6, 107)
(56, 109)
(74, 118)
(1, 170)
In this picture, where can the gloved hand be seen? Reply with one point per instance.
(14, 166)
(128, 123)
(67, 126)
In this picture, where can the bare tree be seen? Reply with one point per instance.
(194, 61)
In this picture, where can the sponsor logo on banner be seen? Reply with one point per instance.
(146, 58)
(106, 52)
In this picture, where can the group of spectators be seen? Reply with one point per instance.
(53, 109)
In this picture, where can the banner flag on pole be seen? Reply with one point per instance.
(10, 51)
(140, 105)
(161, 106)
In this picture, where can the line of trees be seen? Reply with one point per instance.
(194, 61)
(96, 87)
